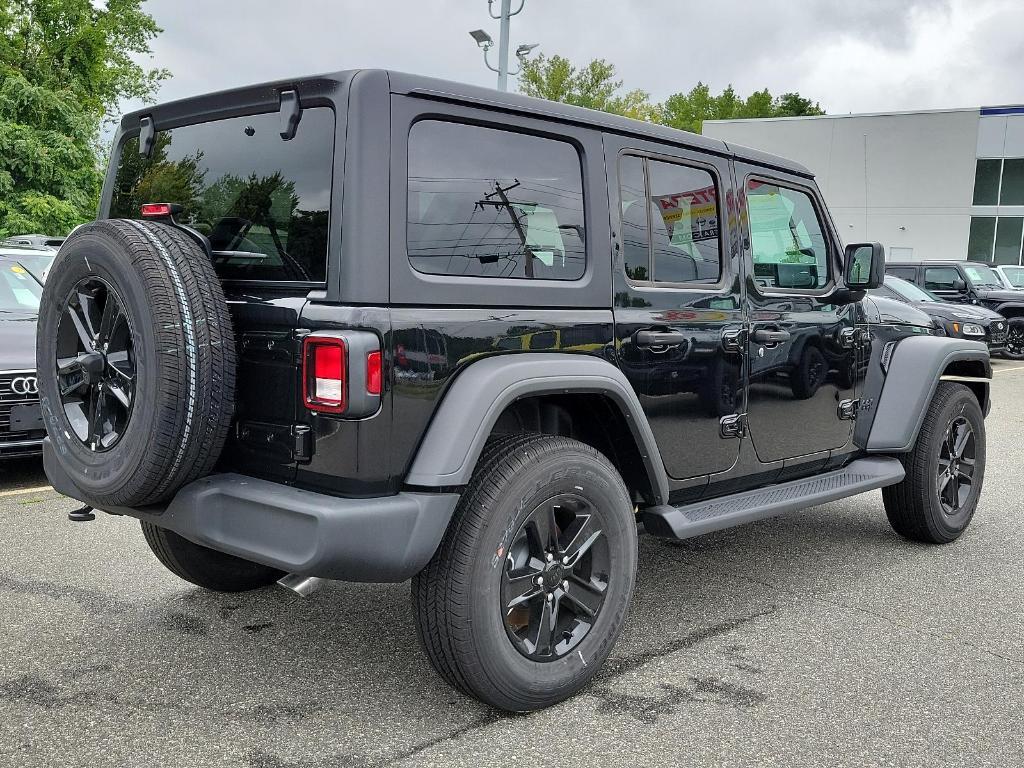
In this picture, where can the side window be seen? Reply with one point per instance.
(669, 222)
(786, 238)
(940, 278)
(491, 203)
(907, 273)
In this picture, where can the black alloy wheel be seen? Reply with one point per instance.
(956, 466)
(1014, 347)
(95, 363)
(555, 578)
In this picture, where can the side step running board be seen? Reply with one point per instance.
(726, 511)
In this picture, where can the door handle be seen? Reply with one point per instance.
(650, 338)
(764, 336)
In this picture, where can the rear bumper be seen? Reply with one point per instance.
(384, 539)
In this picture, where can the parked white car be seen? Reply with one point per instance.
(1012, 276)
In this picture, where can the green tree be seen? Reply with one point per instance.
(593, 86)
(596, 87)
(64, 66)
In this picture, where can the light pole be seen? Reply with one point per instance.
(485, 41)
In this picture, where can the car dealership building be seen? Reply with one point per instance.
(943, 184)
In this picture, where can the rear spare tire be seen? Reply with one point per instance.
(136, 361)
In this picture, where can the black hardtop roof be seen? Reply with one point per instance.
(218, 104)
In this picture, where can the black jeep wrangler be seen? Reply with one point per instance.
(373, 326)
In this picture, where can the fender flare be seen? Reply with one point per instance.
(471, 406)
(1010, 305)
(913, 375)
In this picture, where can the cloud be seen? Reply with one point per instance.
(866, 56)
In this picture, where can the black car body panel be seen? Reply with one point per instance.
(950, 317)
(727, 369)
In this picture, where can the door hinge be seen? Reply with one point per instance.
(847, 409)
(733, 425)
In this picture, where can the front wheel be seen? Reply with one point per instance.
(526, 595)
(1014, 349)
(945, 470)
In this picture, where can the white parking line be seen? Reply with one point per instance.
(23, 491)
(1007, 370)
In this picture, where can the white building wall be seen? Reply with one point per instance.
(905, 180)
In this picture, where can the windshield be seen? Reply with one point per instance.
(1015, 276)
(38, 264)
(908, 290)
(982, 277)
(19, 291)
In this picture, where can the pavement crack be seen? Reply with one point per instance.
(614, 668)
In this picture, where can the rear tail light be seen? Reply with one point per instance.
(342, 373)
(324, 373)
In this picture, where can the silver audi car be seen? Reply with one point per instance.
(21, 425)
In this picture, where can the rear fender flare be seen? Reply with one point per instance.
(471, 406)
(915, 369)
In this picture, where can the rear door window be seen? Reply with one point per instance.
(485, 202)
(907, 273)
(263, 202)
(670, 218)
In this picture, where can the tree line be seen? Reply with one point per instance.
(595, 86)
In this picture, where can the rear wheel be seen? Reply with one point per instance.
(527, 593)
(206, 567)
(945, 470)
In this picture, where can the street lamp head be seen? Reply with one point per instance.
(524, 50)
(482, 38)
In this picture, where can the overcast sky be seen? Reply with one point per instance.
(850, 55)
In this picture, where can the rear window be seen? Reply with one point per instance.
(263, 202)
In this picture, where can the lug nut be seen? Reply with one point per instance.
(550, 597)
(539, 580)
(565, 560)
(565, 584)
(549, 557)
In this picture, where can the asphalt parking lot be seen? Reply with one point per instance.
(816, 639)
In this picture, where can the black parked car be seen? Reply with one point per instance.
(969, 282)
(968, 321)
(21, 428)
(404, 328)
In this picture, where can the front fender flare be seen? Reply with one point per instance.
(914, 371)
(472, 404)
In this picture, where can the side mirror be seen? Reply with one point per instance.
(865, 266)
(959, 285)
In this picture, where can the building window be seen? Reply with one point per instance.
(983, 232)
(1008, 240)
(669, 222)
(1012, 189)
(491, 203)
(986, 182)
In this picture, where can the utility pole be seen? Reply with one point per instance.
(506, 20)
(485, 41)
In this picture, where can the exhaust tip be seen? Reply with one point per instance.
(303, 586)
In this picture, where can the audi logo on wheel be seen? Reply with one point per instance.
(25, 385)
